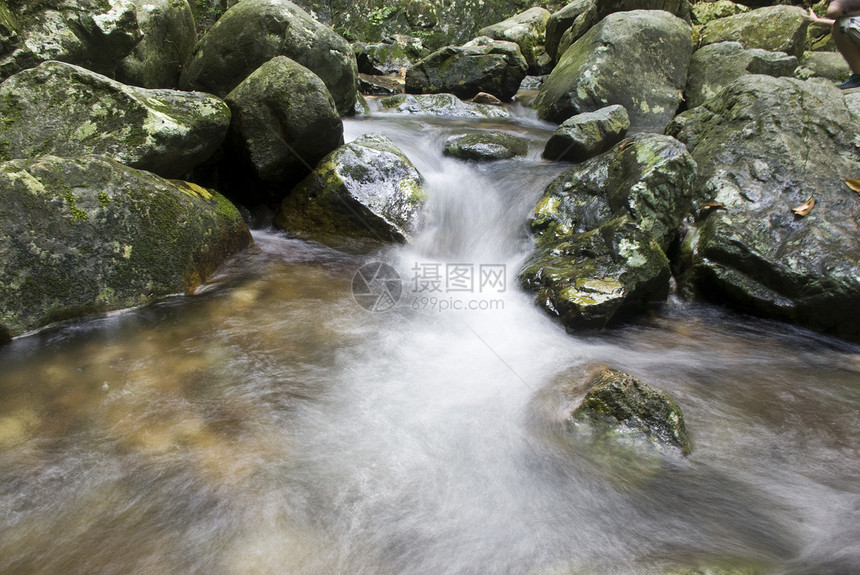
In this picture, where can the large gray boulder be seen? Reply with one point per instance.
(585, 135)
(776, 28)
(364, 194)
(169, 35)
(94, 34)
(87, 235)
(715, 66)
(571, 22)
(481, 65)
(765, 146)
(602, 228)
(636, 59)
(445, 105)
(527, 30)
(390, 55)
(830, 65)
(65, 110)
(253, 32)
(284, 121)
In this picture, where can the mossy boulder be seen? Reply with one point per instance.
(602, 229)
(447, 105)
(527, 30)
(88, 235)
(486, 146)
(619, 403)
(765, 146)
(253, 32)
(586, 135)
(64, 110)
(830, 65)
(636, 59)
(776, 28)
(364, 194)
(94, 34)
(704, 12)
(390, 55)
(715, 66)
(169, 35)
(284, 121)
(481, 65)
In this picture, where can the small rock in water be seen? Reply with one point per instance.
(622, 403)
(486, 146)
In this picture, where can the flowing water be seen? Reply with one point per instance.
(270, 424)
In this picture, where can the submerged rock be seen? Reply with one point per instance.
(284, 121)
(619, 403)
(169, 35)
(253, 32)
(64, 110)
(447, 105)
(94, 34)
(481, 65)
(364, 194)
(602, 229)
(636, 59)
(486, 146)
(764, 147)
(87, 235)
(585, 135)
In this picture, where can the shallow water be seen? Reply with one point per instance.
(270, 424)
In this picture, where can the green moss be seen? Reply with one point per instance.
(103, 199)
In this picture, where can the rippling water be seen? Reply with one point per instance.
(271, 425)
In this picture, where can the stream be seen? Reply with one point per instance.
(272, 425)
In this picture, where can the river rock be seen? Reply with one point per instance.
(481, 65)
(602, 228)
(704, 12)
(363, 194)
(447, 105)
(620, 403)
(636, 59)
(715, 66)
(580, 15)
(527, 30)
(284, 121)
(94, 34)
(765, 146)
(776, 28)
(830, 65)
(486, 146)
(253, 32)
(389, 56)
(65, 110)
(169, 35)
(87, 235)
(585, 135)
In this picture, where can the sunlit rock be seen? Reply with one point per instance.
(527, 30)
(94, 34)
(87, 235)
(365, 193)
(64, 110)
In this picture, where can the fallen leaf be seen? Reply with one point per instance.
(853, 184)
(712, 206)
(804, 208)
